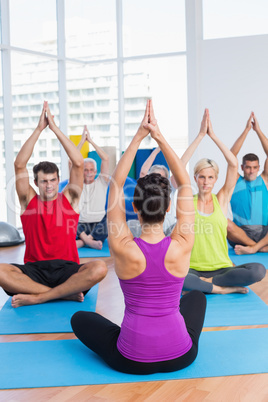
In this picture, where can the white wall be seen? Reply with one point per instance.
(233, 82)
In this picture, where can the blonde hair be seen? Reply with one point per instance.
(204, 164)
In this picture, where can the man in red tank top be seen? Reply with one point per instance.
(51, 270)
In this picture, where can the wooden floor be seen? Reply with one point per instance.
(246, 388)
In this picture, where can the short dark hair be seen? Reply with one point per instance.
(152, 197)
(250, 158)
(46, 167)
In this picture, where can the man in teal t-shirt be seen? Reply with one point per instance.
(248, 232)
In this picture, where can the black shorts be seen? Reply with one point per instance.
(50, 273)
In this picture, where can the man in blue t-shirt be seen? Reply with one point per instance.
(248, 232)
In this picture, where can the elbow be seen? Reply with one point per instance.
(18, 165)
(78, 162)
(234, 163)
(143, 172)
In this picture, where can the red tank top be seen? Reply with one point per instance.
(50, 230)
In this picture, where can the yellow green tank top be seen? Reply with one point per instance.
(210, 250)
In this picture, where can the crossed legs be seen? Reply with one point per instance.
(28, 292)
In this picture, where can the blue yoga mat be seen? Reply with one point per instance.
(262, 258)
(70, 363)
(235, 309)
(91, 252)
(49, 317)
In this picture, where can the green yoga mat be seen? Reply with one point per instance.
(70, 363)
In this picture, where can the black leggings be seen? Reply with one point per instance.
(239, 275)
(100, 335)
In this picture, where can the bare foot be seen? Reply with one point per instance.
(79, 243)
(239, 250)
(96, 244)
(78, 297)
(222, 290)
(25, 300)
(31, 299)
(206, 279)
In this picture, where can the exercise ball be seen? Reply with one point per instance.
(9, 235)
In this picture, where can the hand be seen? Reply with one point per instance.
(249, 124)
(210, 129)
(255, 124)
(51, 123)
(43, 121)
(152, 124)
(204, 123)
(86, 135)
(143, 130)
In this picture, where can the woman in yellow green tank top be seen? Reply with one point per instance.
(211, 269)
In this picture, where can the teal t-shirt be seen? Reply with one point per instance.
(249, 202)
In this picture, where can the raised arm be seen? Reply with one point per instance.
(24, 189)
(118, 230)
(74, 188)
(240, 140)
(192, 147)
(225, 193)
(149, 161)
(102, 154)
(83, 139)
(264, 143)
(183, 231)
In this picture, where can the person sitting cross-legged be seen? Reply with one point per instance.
(92, 226)
(51, 268)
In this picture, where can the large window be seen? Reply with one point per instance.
(113, 54)
(33, 25)
(152, 27)
(90, 28)
(165, 80)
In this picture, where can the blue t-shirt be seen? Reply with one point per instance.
(249, 202)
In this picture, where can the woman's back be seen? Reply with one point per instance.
(153, 328)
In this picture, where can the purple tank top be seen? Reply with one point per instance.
(153, 328)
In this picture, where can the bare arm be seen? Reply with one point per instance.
(102, 154)
(73, 190)
(149, 161)
(182, 232)
(225, 193)
(241, 139)
(192, 147)
(83, 139)
(24, 189)
(118, 230)
(264, 143)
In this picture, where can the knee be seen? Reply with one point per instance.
(197, 297)
(258, 272)
(98, 270)
(230, 226)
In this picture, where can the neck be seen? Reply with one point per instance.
(152, 233)
(206, 198)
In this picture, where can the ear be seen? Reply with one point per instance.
(35, 182)
(195, 179)
(242, 168)
(169, 206)
(134, 208)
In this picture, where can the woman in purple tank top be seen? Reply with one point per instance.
(160, 329)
